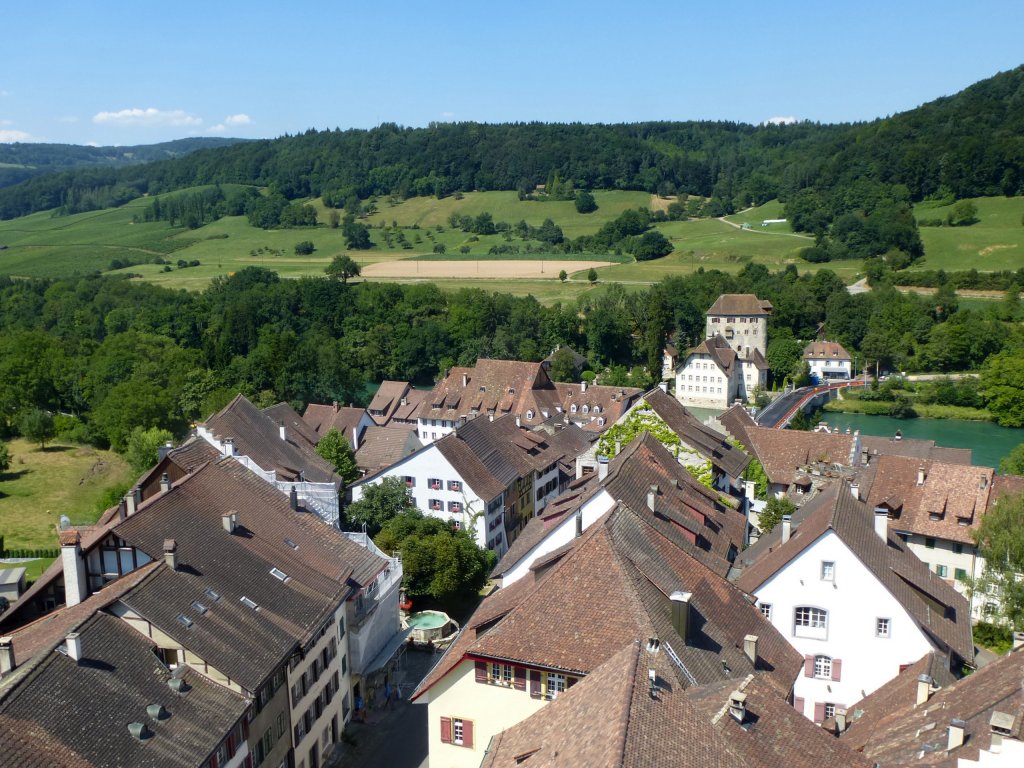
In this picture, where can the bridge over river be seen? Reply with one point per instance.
(781, 411)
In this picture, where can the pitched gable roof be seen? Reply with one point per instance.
(826, 350)
(740, 304)
(718, 349)
(323, 418)
(782, 452)
(382, 446)
(937, 608)
(283, 414)
(492, 386)
(394, 400)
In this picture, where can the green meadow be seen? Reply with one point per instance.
(994, 243)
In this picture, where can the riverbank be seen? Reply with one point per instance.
(929, 411)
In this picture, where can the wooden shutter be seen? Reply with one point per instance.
(446, 730)
(467, 733)
(534, 684)
(798, 704)
(808, 666)
(519, 678)
(819, 711)
(837, 669)
(481, 671)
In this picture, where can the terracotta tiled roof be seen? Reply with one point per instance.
(324, 418)
(283, 413)
(382, 446)
(64, 713)
(598, 407)
(909, 581)
(1005, 485)
(673, 727)
(395, 400)
(612, 587)
(738, 422)
(893, 730)
(720, 352)
(782, 452)
(259, 438)
(740, 304)
(492, 386)
(826, 350)
(710, 443)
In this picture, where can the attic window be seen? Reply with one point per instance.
(199, 608)
(597, 409)
(483, 388)
(249, 603)
(277, 573)
(291, 543)
(586, 409)
(529, 414)
(572, 408)
(185, 621)
(600, 421)
(214, 596)
(511, 390)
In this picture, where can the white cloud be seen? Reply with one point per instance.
(148, 117)
(8, 137)
(240, 119)
(779, 120)
(218, 128)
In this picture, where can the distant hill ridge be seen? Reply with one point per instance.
(971, 144)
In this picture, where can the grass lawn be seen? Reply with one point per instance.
(996, 242)
(40, 486)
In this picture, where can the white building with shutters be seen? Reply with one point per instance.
(853, 600)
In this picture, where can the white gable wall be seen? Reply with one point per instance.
(854, 601)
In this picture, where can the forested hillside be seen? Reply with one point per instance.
(966, 145)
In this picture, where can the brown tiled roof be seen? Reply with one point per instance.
(740, 304)
(64, 713)
(894, 731)
(675, 727)
(738, 422)
(392, 396)
(710, 443)
(612, 587)
(720, 352)
(242, 642)
(948, 505)
(909, 581)
(826, 350)
(1005, 485)
(283, 413)
(492, 386)
(323, 418)
(783, 451)
(913, 448)
(259, 438)
(600, 402)
(382, 446)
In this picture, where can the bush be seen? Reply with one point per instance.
(304, 248)
(995, 637)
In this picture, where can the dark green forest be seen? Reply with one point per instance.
(106, 354)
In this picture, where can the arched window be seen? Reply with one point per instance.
(572, 408)
(823, 667)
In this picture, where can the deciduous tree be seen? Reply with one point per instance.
(379, 503)
(335, 448)
(1000, 540)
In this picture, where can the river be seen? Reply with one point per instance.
(988, 441)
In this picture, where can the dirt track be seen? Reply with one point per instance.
(484, 269)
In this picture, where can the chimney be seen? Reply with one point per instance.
(738, 706)
(955, 734)
(840, 720)
(6, 655)
(664, 387)
(920, 475)
(1018, 640)
(283, 431)
(74, 567)
(982, 482)
(355, 438)
(74, 646)
(579, 522)
(137, 495)
(855, 490)
(924, 688)
(652, 497)
(602, 467)
(171, 554)
(293, 499)
(128, 506)
(229, 521)
(334, 405)
(164, 449)
(750, 648)
(882, 524)
(787, 527)
(681, 613)
(229, 446)
(519, 422)
(583, 386)
(165, 483)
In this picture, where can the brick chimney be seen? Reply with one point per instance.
(602, 467)
(882, 524)
(738, 706)
(855, 490)
(229, 521)
(955, 734)
(75, 587)
(652, 497)
(171, 554)
(283, 431)
(920, 475)
(293, 499)
(840, 720)
(165, 483)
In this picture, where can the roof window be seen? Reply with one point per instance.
(185, 621)
(291, 543)
(249, 603)
(214, 596)
(199, 608)
(277, 573)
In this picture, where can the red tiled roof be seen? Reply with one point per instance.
(740, 304)
(826, 350)
(324, 418)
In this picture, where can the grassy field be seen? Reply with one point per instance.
(40, 486)
(996, 242)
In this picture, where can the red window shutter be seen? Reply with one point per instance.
(446, 730)
(245, 728)
(837, 669)
(467, 733)
(231, 745)
(798, 704)
(481, 671)
(819, 711)
(808, 666)
(534, 684)
(519, 679)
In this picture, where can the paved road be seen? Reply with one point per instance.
(395, 737)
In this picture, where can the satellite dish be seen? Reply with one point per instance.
(65, 522)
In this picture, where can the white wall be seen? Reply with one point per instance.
(943, 553)
(431, 430)
(692, 389)
(854, 600)
(818, 367)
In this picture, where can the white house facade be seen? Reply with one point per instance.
(828, 361)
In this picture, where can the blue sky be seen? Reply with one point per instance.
(114, 72)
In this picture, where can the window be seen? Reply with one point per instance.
(830, 710)
(828, 570)
(436, 504)
(810, 622)
(882, 627)
(823, 667)
(454, 485)
(457, 731)
(766, 610)
(941, 571)
(277, 573)
(929, 542)
(572, 408)
(435, 484)
(500, 674)
(454, 506)
(410, 482)
(960, 574)
(529, 415)
(554, 685)
(958, 548)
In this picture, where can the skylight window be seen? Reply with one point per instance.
(214, 596)
(250, 603)
(185, 621)
(199, 608)
(277, 573)
(291, 543)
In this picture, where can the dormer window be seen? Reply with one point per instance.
(529, 415)
(511, 390)
(597, 409)
(586, 409)
(572, 408)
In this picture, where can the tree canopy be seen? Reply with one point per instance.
(1000, 541)
(335, 448)
(380, 503)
